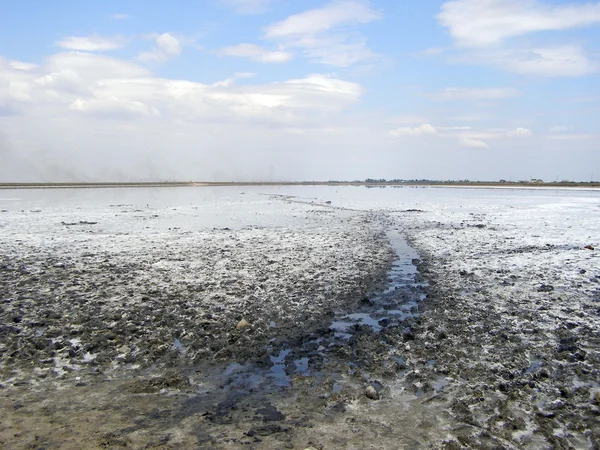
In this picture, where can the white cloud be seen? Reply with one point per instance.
(120, 16)
(474, 94)
(468, 137)
(407, 119)
(129, 124)
(519, 132)
(471, 118)
(168, 44)
(167, 47)
(339, 52)
(322, 19)
(563, 61)
(256, 53)
(114, 108)
(432, 51)
(102, 116)
(292, 102)
(472, 143)
(244, 75)
(322, 34)
(329, 84)
(492, 133)
(64, 81)
(91, 66)
(479, 23)
(20, 65)
(483, 28)
(91, 43)
(465, 128)
(104, 87)
(15, 90)
(248, 6)
(464, 135)
(422, 130)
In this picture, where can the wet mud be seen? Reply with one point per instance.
(205, 339)
(511, 318)
(355, 329)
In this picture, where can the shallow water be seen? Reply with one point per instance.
(397, 302)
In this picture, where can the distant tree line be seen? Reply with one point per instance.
(424, 181)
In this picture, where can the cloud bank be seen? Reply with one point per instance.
(103, 117)
(486, 32)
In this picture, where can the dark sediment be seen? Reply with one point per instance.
(513, 326)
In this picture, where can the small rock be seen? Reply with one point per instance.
(242, 324)
(595, 396)
(371, 393)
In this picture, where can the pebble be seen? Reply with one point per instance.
(595, 395)
(371, 393)
(242, 324)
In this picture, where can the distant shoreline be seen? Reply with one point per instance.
(437, 184)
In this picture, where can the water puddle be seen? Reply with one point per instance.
(178, 346)
(341, 327)
(392, 307)
(302, 367)
(534, 367)
(278, 370)
(440, 384)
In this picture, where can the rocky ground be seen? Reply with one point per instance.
(308, 334)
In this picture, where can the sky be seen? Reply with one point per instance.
(283, 90)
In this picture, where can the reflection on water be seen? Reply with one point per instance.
(278, 372)
(391, 307)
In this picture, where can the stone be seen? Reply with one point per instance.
(242, 324)
(371, 393)
(595, 396)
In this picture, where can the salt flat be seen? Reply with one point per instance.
(129, 300)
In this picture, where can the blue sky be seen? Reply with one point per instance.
(290, 90)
